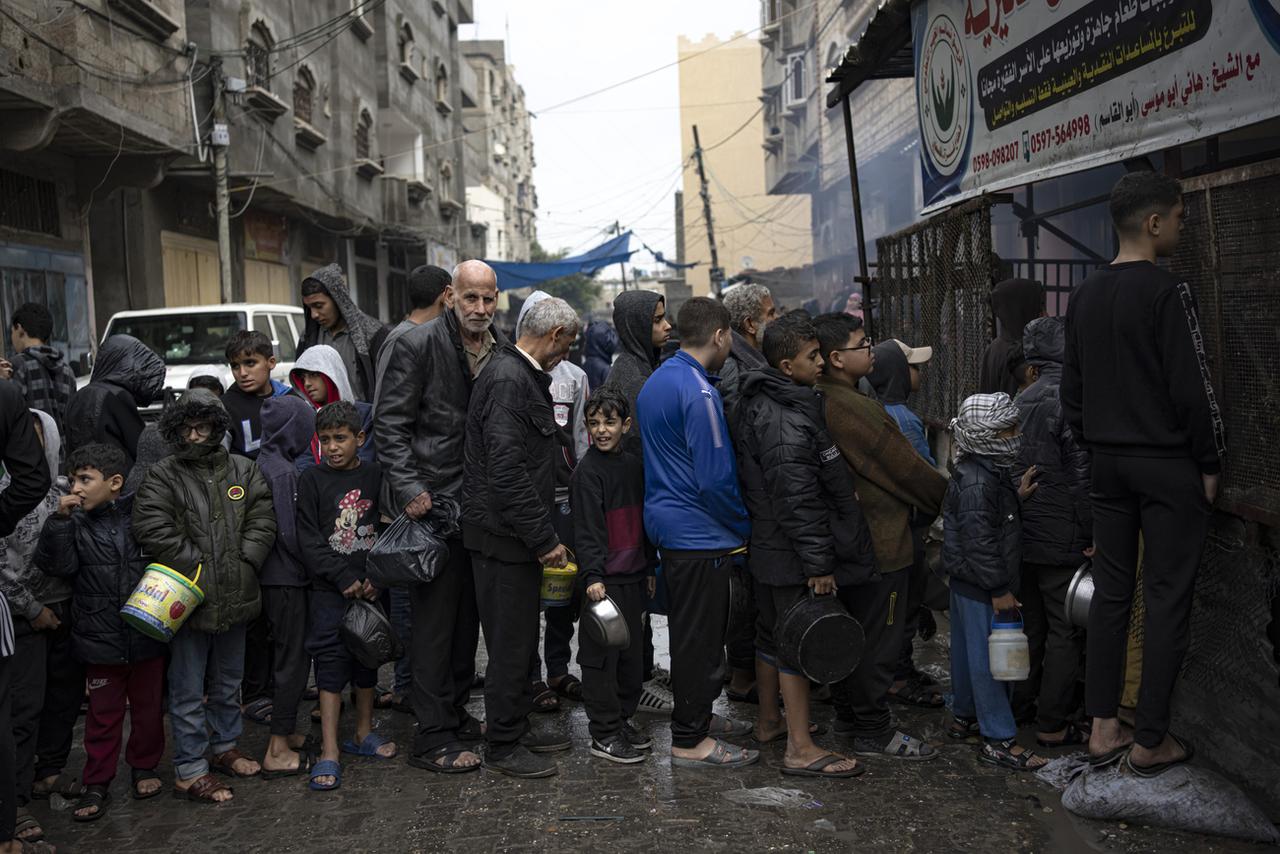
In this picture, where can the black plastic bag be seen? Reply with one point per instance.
(410, 551)
(368, 634)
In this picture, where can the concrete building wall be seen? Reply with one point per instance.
(719, 91)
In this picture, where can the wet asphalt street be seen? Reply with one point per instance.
(949, 804)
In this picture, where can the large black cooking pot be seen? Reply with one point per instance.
(817, 637)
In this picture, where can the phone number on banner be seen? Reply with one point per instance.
(1033, 143)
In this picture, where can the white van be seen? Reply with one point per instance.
(193, 339)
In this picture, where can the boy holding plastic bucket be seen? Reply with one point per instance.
(89, 542)
(205, 509)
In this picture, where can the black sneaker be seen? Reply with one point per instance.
(521, 763)
(537, 742)
(637, 739)
(616, 749)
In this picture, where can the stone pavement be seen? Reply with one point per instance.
(949, 804)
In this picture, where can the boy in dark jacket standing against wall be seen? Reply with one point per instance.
(615, 559)
(807, 531)
(1136, 390)
(337, 524)
(288, 423)
(1057, 533)
(204, 510)
(94, 548)
(981, 554)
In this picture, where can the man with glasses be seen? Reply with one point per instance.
(891, 479)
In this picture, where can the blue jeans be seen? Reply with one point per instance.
(194, 655)
(975, 693)
(401, 613)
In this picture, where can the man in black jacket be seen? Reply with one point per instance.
(419, 420)
(807, 531)
(1136, 388)
(1057, 533)
(508, 496)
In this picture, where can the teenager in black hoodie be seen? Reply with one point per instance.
(641, 320)
(1135, 387)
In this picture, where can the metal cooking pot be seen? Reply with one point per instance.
(1079, 595)
(605, 623)
(819, 638)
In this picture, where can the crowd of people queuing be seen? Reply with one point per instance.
(775, 449)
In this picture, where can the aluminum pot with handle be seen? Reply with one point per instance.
(1079, 595)
(819, 638)
(604, 622)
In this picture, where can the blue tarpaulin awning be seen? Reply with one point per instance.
(514, 274)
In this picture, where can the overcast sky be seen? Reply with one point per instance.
(614, 155)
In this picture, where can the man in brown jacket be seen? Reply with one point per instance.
(891, 479)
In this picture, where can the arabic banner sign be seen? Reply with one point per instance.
(1014, 91)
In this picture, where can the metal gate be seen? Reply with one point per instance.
(933, 288)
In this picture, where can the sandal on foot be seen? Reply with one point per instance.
(1001, 755)
(1073, 736)
(569, 687)
(306, 760)
(1115, 754)
(723, 755)
(751, 695)
(368, 747)
(962, 728)
(259, 711)
(916, 693)
(899, 746)
(449, 753)
(325, 768)
(225, 763)
(471, 732)
(138, 775)
(94, 796)
(544, 699)
(818, 767)
(1160, 767)
(67, 785)
(722, 727)
(203, 790)
(27, 823)
(383, 698)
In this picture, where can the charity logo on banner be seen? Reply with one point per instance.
(1014, 91)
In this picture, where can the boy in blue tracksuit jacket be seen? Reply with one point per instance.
(693, 513)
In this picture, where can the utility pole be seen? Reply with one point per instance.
(219, 141)
(617, 229)
(717, 274)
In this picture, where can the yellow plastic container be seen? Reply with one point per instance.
(557, 584)
(162, 601)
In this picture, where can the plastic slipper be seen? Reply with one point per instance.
(544, 699)
(751, 695)
(569, 687)
(899, 746)
(818, 766)
(305, 762)
(1074, 736)
(67, 785)
(137, 775)
(723, 755)
(203, 790)
(1159, 768)
(225, 763)
(26, 822)
(916, 693)
(722, 727)
(325, 768)
(368, 747)
(259, 711)
(1112, 756)
(962, 728)
(94, 796)
(448, 752)
(383, 698)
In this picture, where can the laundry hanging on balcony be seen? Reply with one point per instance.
(514, 274)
